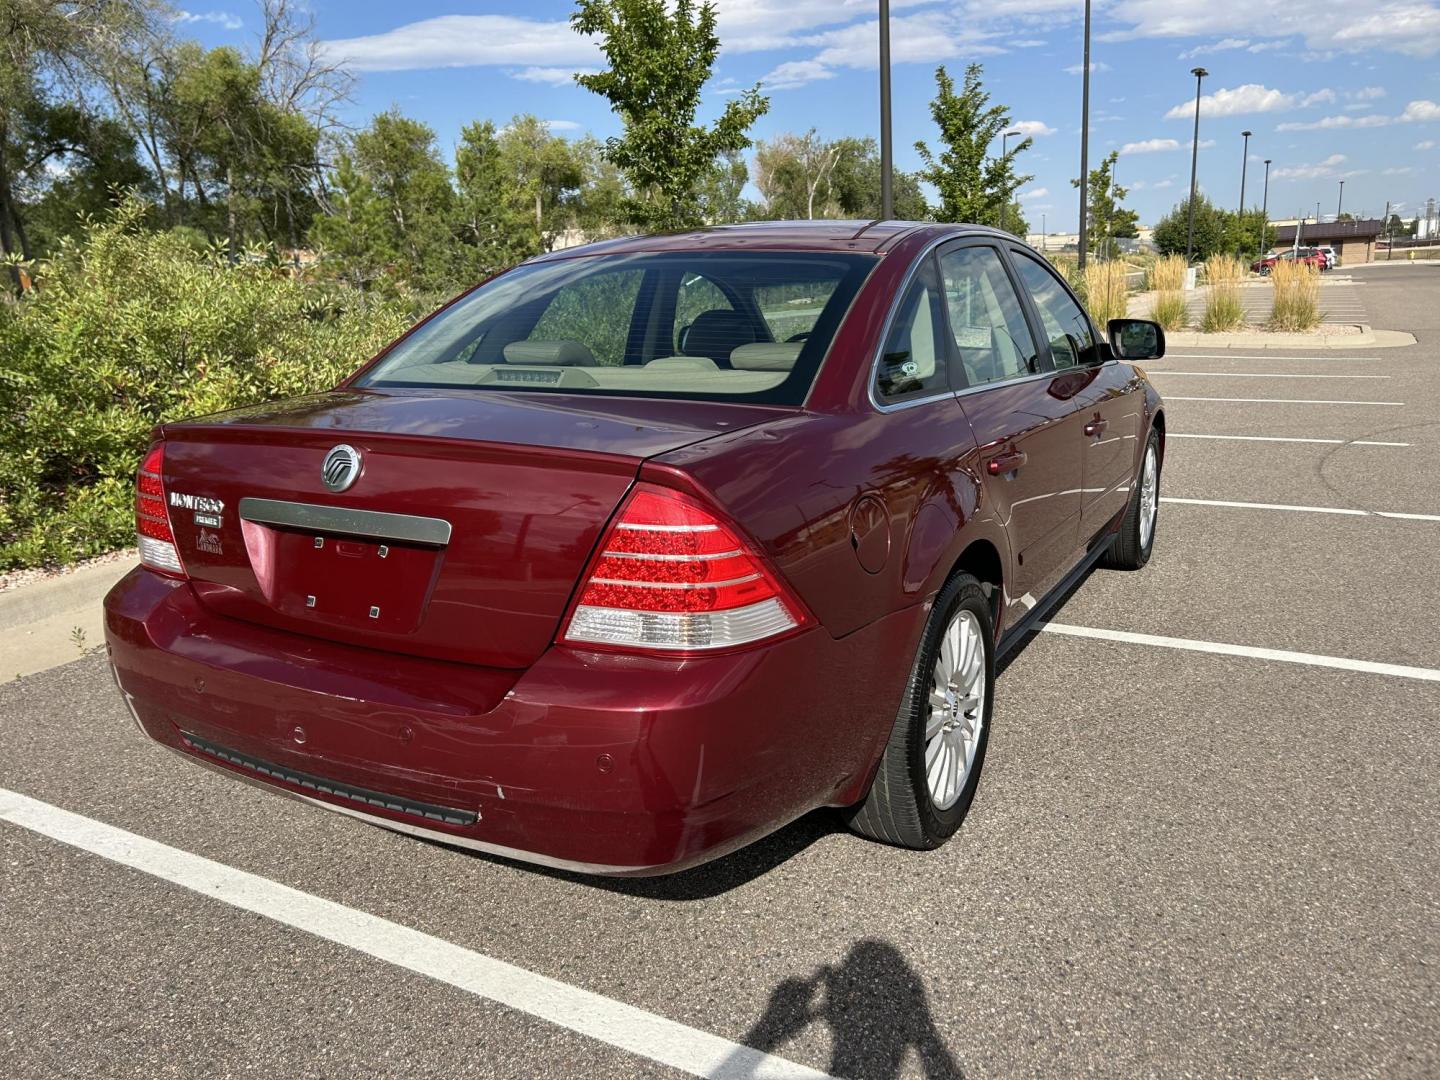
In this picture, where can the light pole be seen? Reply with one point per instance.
(887, 165)
(1085, 138)
(1199, 74)
(1110, 219)
(1340, 201)
(1005, 202)
(1244, 164)
(1044, 235)
(1265, 205)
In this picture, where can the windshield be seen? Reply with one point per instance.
(721, 326)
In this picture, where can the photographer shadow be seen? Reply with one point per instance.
(876, 1008)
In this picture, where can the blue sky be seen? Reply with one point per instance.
(1332, 91)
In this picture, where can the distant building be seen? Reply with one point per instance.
(1353, 241)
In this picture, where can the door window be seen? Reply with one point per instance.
(1072, 341)
(987, 323)
(913, 363)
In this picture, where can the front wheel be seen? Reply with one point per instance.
(1136, 539)
(931, 765)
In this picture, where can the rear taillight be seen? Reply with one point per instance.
(672, 576)
(152, 517)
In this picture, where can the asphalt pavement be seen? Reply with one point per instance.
(1179, 863)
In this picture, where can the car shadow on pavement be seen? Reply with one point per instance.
(877, 1011)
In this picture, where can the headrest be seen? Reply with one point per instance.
(767, 356)
(683, 363)
(565, 352)
(716, 333)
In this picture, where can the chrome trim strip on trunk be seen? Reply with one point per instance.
(344, 519)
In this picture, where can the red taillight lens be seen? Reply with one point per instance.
(152, 519)
(671, 575)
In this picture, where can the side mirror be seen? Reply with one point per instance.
(1136, 339)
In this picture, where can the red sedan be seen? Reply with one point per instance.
(642, 550)
(1305, 256)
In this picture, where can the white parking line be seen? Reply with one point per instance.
(1272, 356)
(1286, 438)
(1348, 511)
(1260, 375)
(1402, 671)
(1280, 401)
(603, 1019)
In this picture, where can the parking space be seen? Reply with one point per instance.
(1340, 300)
(1179, 862)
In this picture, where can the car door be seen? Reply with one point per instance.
(1108, 393)
(1021, 415)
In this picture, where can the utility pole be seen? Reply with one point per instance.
(1389, 237)
(1199, 74)
(1005, 203)
(887, 164)
(1044, 235)
(1085, 139)
(1340, 201)
(1244, 164)
(1265, 209)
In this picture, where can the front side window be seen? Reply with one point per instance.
(913, 361)
(1072, 342)
(992, 339)
(705, 325)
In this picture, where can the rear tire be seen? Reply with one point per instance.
(1136, 538)
(931, 766)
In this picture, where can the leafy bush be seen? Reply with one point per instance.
(1223, 309)
(1105, 292)
(1297, 296)
(129, 329)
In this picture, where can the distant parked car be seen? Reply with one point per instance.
(1331, 259)
(1308, 256)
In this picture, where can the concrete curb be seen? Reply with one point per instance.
(48, 623)
(75, 591)
(1368, 338)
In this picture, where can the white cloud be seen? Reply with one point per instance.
(464, 41)
(1249, 98)
(1419, 112)
(1033, 129)
(1404, 170)
(1220, 46)
(562, 125)
(1035, 193)
(1318, 171)
(1426, 144)
(1149, 146)
(551, 76)
(795, 73)
(222, 19)
(1412, 28)
(1027, 43)
(1366, 93)
(1095, 65)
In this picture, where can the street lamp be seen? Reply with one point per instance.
(1340, 201)
(1085, 138)
(1244, 165)
(1199, 74)
(887, 165)
(1005, 202)
(1044, 235)
(1265, 209)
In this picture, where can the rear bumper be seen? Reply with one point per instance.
(591, 761)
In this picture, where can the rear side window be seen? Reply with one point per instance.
(913, 361)
(992, 339)
(704, 325)
(1072, 342)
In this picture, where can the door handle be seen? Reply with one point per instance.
(1096, 426)
(1008, 461)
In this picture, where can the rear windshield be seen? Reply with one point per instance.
(735, 327)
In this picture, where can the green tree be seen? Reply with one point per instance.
(489, 220)
(1107, 218)
(722, 191)
(659, 61)
(544, 173)
(855, 183)
(1212, 229)
(973, 186)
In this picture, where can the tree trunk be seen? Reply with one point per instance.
(232, 241)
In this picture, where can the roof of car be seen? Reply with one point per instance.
(821, 235)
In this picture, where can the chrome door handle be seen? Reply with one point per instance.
(1006, 462)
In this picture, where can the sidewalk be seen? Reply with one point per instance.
(55, 620)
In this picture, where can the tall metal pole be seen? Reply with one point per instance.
(1389, 238)
(1085, 139)
(1340, 201)
(1199, 74)
(1044, 235)
(1005, 202)
(1110, 217)
(1244, 164)
(887, 164)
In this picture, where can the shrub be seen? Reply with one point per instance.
(1223, 310)
(1167, 278)
(1297, 296)
(129, 329)
(1105, 293)
(1167, 273)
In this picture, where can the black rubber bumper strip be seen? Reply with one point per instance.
(426, 811)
